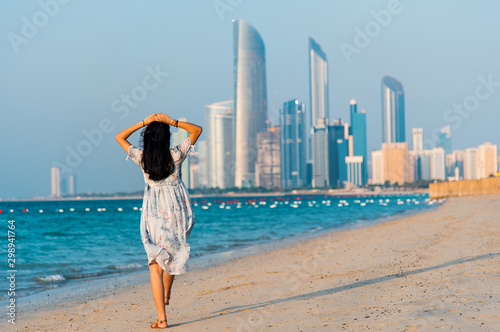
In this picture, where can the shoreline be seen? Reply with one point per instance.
(432, 269)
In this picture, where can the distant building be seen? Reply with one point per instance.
(320, 153)
(268, 165)
(194, 175)
(393, 111)
(202, 163)
(293, 144)
(336, 155)
(413, 166)
(318, 85)
(487, 160)
(417, 139)
(445, 139)
(425, 165)
(220, 155)
(250, 96)
(438, 164)
(55, 181)
(471, 168)
(359, 141)
(396, 168)
(342, 154)
(378, 167)
(72, 184)
(354, 165)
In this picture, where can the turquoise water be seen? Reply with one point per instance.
(64, 242)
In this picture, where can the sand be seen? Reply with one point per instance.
(436, 269)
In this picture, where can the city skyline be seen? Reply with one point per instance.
(117, 61)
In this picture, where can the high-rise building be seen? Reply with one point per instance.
(72, 184)
(438, 164)
(445, 139)
(220, 154)
(393, 111)
(425, 165)
(318, 84)
(268, 165)
(202, 163)
(194, 174)
(358, 128)
(320, 154)
(354, 166)
(396, 168)
(293, 144)
(417, 139)
(471, 167)
(487, 160)
(250, 96)
(413, 166)
(55, 181)
(336, 156)
(177, 138)
(378, 167)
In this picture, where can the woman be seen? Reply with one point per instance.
(167, 217)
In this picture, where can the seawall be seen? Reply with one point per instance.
(487, 186)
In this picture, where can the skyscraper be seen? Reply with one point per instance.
(72, 184)
(293, 144)
(318, 84)
(393, 111)
(358, 128)
(396, 168)
(438, 164)
(202, 162)
(55, 181)
(378, 167)
(220, 144)
(268, 165)
(320, 153)
(250, 96)
(487, 160)
(336, 133)
(445, 139)
(471, 169)
(417, 139)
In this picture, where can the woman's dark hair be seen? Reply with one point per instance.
(157, 161)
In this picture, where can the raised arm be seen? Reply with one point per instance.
(122, 136)
(193, 130)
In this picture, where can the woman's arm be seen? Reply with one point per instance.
(122, 136)
(193, 130)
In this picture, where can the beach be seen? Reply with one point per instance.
(435, 269)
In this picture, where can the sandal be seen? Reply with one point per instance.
(155, 325)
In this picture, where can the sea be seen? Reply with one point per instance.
(54, 244)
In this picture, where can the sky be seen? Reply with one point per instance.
(67, 68)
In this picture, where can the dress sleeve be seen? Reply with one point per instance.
(182, 150)
(135, 154)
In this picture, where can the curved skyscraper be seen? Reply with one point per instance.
(250, 95)
(318, 84)
(393, 111)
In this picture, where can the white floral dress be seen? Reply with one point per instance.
(167, 217)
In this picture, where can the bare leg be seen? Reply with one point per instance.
(168, 280)
(156, 273)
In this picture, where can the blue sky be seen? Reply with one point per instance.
(69, 75)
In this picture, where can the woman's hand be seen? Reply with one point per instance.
(160, 117)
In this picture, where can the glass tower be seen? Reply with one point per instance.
(293, 145)
(220, 144)
(358, 128)
(393, 111)
(250, 96)
(318, 83)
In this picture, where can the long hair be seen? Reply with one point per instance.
(157, 161)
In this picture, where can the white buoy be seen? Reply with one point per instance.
(61, 210)
(72, 210)
(204, 207)
(120, 209)
(41, 211)
(136, 208)
(87, 209)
